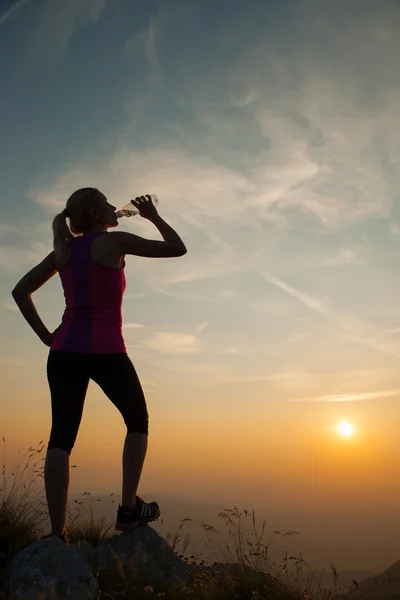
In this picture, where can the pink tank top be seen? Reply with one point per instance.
(92, 320)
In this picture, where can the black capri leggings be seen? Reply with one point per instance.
(68, 375)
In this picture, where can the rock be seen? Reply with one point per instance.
(50, 570)
(84, 549)
(145, 551)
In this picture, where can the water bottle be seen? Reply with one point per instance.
(130, 209)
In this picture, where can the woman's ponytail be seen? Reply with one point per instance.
(62, 235)
(77, 211)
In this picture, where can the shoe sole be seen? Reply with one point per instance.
(127, 527)
(121, 526)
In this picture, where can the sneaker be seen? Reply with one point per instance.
(128, 520)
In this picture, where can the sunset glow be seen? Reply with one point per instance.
(345, 429)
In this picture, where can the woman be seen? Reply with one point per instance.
(89, 343)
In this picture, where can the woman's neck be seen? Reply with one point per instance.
(98, 229)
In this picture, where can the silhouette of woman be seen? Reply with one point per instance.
(89, 343)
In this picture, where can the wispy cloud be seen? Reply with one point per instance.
(6, 229)
(346, 325)
(184, 295)
(53, 25)
(227, 294)
(394, 229)
(201, 181)
(351, 397)
(173, 343)
(13, 259)
(145, 41)
(12, 12)
(202, 326)
(132, 325)
(144, 44)
(313, 303)
(245, 100)
(189, 204)
(232, 350)
(10, 306)
(343, 258)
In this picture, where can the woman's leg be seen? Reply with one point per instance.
(68, 383)
(133, 455)
(117, 377)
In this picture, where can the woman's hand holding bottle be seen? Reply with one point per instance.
(146, 206)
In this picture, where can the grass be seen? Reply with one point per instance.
(256, 572)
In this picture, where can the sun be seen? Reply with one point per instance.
(345, 429)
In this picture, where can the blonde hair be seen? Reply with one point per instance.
(77, 210)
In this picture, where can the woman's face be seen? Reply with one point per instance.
(107, 213)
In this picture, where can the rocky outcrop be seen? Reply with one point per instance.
(143, 550)
(48, 569)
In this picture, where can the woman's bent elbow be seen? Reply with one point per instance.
(18, 292)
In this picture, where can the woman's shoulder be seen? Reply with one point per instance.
(105, 250)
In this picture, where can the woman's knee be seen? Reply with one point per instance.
(61, 441)
(138, 424)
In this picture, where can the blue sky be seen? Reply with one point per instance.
(276, 124)
(270, 133)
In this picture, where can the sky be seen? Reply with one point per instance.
(270, 134)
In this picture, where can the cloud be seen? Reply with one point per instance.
(12, 12)
(343, 258)
(227, 294)
(14, 229)
(172, 343)
(206, 191)
(308, 301)
(13, 259)
(313, 143)
(10, 306)
(132, 326)
(145, 43)
(308, 146)
(320, 134)
(352, 397)
(245, 100)
(346, 325)
(184, 295)
(222, 378)
(295, 338)
(231, 350)
(52, 26)
(313, 149)
(194, 193)
(394, 229)
(202, 326)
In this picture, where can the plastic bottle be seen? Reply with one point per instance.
(129, 210)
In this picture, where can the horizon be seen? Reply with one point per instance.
(269, 353)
